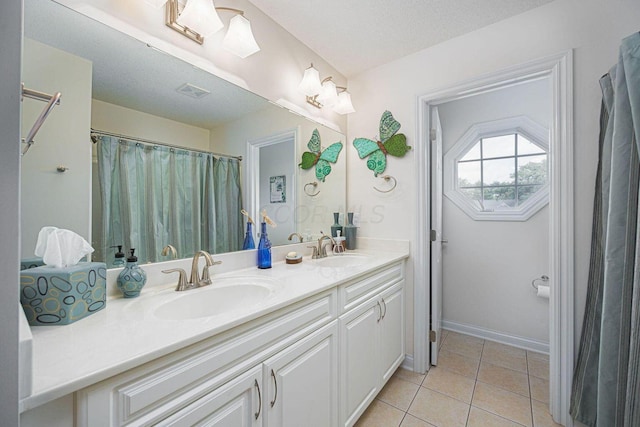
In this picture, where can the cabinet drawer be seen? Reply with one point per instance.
(351, 295)
(157, 389)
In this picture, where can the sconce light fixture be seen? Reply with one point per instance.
(199, 19)
(325, 93)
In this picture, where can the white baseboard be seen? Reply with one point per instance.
(407, 363)
(488, 334)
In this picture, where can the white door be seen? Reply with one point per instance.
(301, 382)
(234, 404)
(359, 371)
(436, 234)
(391, 325)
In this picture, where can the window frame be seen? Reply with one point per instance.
(523, 125)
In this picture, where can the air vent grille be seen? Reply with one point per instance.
(193, 91)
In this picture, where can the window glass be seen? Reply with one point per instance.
(499, 171)
(473, 153)
(469, 174)
(499, 146)
(526, 191)
(499, 198)
(532, 169)
(527, 147)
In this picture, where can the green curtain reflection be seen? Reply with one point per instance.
(155, 195)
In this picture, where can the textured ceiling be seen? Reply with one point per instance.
(355, 35)
(128, 73)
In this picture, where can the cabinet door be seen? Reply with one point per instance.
(301, 382)
(235, 404)
(391, 349)
(359, 373)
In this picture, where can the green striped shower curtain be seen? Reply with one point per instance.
(606, 383)
(155, 195)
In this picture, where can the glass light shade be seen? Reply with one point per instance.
(239, 39)
(344, 105)
(156, 3)
(328, 96)
(201, 17)
(310, 84)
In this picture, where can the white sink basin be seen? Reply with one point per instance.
(223, 296)
(343, 261)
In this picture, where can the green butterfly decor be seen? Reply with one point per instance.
(320, 159)
(391, 143)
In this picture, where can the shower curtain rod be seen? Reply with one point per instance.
(147, 141)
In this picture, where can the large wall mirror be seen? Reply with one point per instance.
(117, 90)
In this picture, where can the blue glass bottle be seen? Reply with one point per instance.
(248, 238)
(264, 248)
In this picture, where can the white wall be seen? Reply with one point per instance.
(50, 197)
(592, 28)
(273, 73)
(493, 291)
(275, 160)
(10, 52)
(125, 121)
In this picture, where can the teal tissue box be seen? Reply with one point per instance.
(60, 296)
(26, 263)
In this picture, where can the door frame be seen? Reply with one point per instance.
(252, 169)
(559, 68)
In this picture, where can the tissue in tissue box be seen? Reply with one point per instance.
(59, 296)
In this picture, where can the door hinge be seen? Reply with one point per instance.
(432, 336)
(432, 135)
(434, 235)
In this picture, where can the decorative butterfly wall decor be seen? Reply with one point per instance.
(390, 143)
(320, 159)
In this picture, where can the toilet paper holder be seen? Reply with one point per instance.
(544, 279)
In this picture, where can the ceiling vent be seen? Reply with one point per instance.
(193, 91)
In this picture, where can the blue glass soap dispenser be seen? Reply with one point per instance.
(132, 278)
(264, 248)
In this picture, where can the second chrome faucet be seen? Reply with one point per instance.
(195, 281)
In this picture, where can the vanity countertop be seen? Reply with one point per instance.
(127, 334)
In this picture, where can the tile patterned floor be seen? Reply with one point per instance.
(477, 383)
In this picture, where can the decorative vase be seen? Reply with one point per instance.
(264, 248)
(248, 238)
(336, 225)
(350, 232)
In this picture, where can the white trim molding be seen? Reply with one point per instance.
(252, 169)
(559, 69)
(491, 335)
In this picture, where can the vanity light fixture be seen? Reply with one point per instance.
(325, 93)
(199, 19)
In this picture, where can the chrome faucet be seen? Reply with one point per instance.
(321, 250)
(170, 249)
(297, 235)
(195, 281)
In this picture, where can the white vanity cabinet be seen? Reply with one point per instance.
(218, 373)
(316, 362)
(371, 339)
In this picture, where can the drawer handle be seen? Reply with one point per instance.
(385, 308)
(257, 414)
(379, 311)
(275, 383)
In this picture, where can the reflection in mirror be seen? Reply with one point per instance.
(116, 84)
